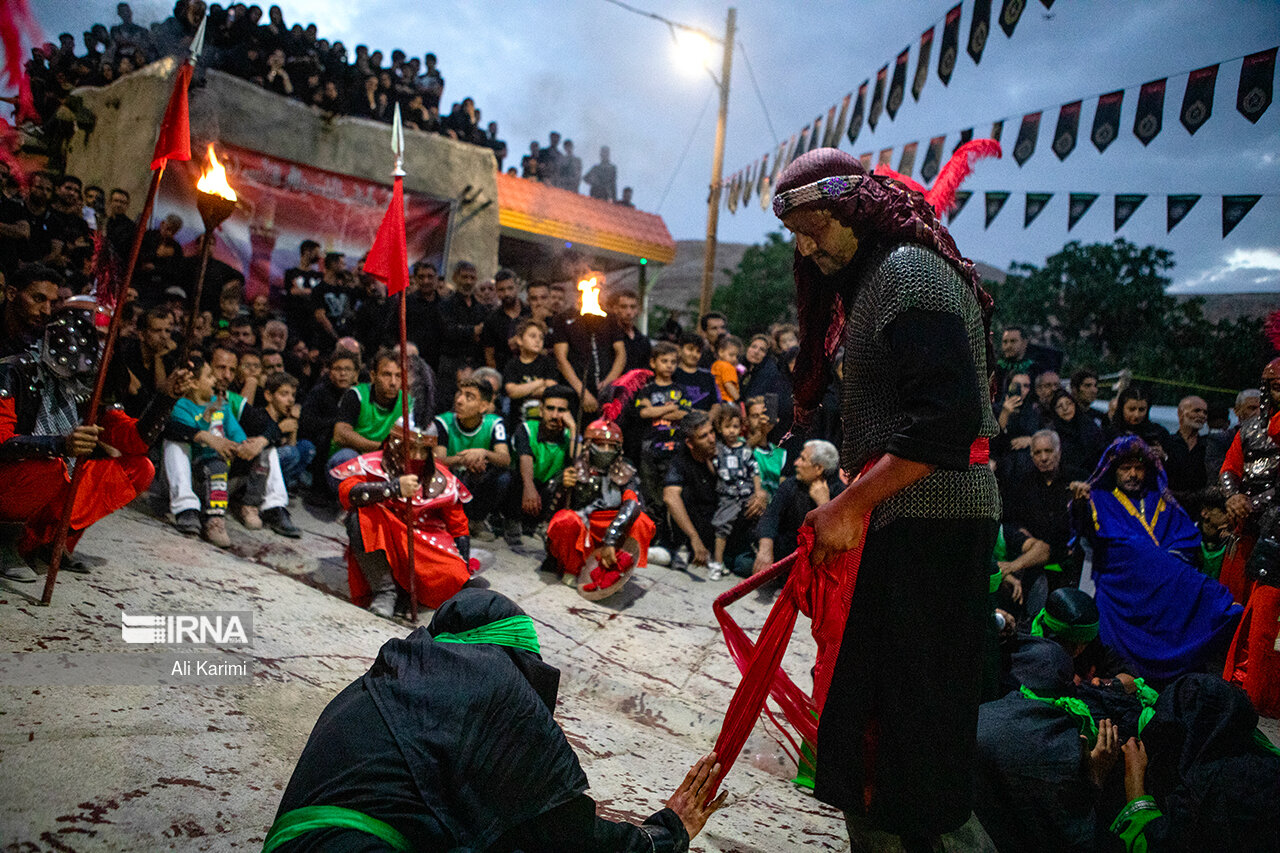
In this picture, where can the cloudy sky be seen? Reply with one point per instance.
(602, 75)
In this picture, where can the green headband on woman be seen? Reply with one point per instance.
(516, 632)
(1048, 625)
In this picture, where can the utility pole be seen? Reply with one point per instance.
(717, 166)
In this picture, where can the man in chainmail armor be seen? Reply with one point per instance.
(878, 274)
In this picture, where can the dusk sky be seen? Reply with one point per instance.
(602, 75)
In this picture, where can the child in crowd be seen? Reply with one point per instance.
(738, 476)
(771, 459)
(529, 373)
(661, 404)
(219, 439)
(726, 366)
(280, 395)
(473, 444)
(249, 376)
(698, 384)
(786, 337)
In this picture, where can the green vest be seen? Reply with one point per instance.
(770, 460)
(1212, 560)
(457, 439)
(548, 459)
(373, 422)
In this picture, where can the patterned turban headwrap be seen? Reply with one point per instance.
(883, 212)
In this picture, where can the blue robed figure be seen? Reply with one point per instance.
(1156, 610)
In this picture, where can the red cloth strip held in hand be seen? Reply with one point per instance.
(823, 593)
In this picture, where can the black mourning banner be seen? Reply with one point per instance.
(1010, 12)
(1234, 207)
(1048, 4)
(1064, 135)
(907, 164)
(803, 145)
(997, 130)
(1256, 75)
(950, 45)
(1078, 205)
(995, 203)
(1150, 116)
(886, 157)
(898, 88)
(830, 132)
(865, 159)
(855, 121)
(1026, 144)
(1035, 204)
(762, 179)
(1106, 121)
(1178, 208)
(979, 29)
(748, 184)
(816, 137)
(965, 136)
(877, 99)
(1126, 204)
(922, 65)
(838, 128)
(962, 198)
(932, 159)
(1197, 103)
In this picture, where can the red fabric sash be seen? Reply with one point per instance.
(824, 594)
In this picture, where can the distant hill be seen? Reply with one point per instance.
(678, 283)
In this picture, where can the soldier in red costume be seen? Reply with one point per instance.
(374, 490)
(1250, 478)
(604, 522)
(43, 436)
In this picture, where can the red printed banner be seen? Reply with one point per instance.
(284, 203)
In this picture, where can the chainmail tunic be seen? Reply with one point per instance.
(906, 277)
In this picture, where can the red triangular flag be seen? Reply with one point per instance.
(388, 259)
(175, 131)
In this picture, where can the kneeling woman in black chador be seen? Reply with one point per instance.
(448, 744)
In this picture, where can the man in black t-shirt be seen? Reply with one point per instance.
(624, 307)
(333, 302)
(422, 313)
(689, 491)
(589, 352)
(298, 284)
(528, 373)
(500, 326)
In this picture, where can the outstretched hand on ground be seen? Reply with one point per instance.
(690, 799)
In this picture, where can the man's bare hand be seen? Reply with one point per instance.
(223, 446)
(1015, 588)
(179, 383)
(570, 477)
(474, 459)
(1105, 752)
(1238, 509)
(756, 504)
(607, 556)
(83, 440)
(531, 501)
(590, 404)
(1022, 442)
(408, 485)
(1079, 490)
(1135, 769)
(833, 531)
(251, 447)
(689, 801)
(701, 556)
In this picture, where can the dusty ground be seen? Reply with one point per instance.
(200, 767)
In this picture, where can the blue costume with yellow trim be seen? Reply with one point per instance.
(1155, 608)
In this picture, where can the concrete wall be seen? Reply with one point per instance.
(227, 109)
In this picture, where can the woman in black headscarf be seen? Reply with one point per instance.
(448, 744)
(1082, 438)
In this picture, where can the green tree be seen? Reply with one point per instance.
(762, 290)
(1107, 305)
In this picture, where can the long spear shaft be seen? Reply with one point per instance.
(404, 398)
(99, 385)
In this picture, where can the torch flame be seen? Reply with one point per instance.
(590, 298)
(214, 181)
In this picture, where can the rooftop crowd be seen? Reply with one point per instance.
(293, 61)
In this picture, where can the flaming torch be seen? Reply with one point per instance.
(216, 200)
(590, 290)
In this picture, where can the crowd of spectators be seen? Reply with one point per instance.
(295, 62)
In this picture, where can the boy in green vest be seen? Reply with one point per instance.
(473, 444)
(771, 459)
(366, 414)
(542, 449)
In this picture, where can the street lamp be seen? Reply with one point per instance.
(717, 164)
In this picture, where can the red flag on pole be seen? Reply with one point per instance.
(175, 130)
(388, 260)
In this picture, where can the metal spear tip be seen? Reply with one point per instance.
(397, 141)
(197, 43)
